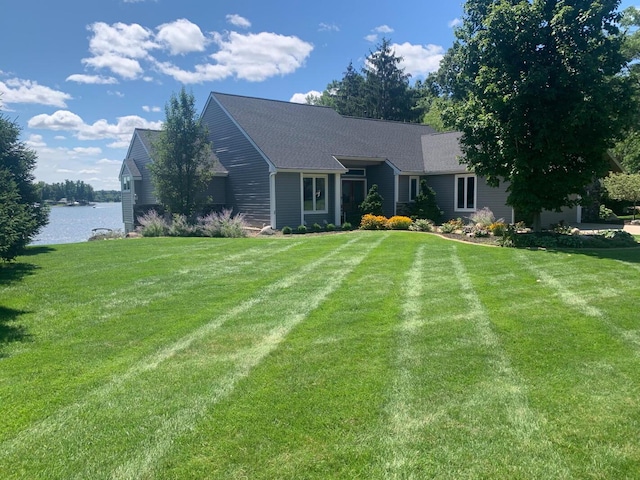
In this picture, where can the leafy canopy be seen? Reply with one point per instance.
(21, 213)
(538, 95)
(182, 160)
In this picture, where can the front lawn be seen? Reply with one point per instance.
(355, 355)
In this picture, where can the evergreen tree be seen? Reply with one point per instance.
(424, 205)
(21, 213)
(372, 203)
(182, 160)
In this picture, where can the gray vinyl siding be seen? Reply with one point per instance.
(383, 176)
(288, 203)
(142, 159)
(247, 186)
(493, 198)
(217, 190)
(567, 215)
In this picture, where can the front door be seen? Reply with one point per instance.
(353, 193)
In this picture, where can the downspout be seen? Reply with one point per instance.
(338, 199)
(272, 199)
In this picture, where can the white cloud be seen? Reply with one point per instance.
(302, 97)
(16, 90)
(238, 21)
(419, 60)
(63, 120)
(35, 141)
(64, 170)
(89, 171)
(106, 161)
(181, 36)
(455, 23)
(119, 48)
(60, 137)
(371, 38)
(115, 93)
(252, 57)
(87, 150)
(91, 79)
(147, 108)
(328, 27)
(383, 29)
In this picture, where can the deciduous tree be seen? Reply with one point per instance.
(624, 186)
(538, 96)
(182, 160)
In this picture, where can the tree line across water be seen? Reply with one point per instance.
(78, 191)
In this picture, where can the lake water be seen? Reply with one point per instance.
(74, 224)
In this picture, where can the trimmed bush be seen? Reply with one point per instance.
(346, 226)
(301, 229)
(330, 227)
(373, 222)
(316, 227)
(287, 230)
(398, 222)
(372, 204)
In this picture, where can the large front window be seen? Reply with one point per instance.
(314, 196)
(465, 193)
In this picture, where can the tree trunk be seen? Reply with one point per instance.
(537, 222)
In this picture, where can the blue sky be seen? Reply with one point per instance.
(79, 76)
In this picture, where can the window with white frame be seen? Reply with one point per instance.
(314, 193)
(465, 193)
(126, 183)
(414, 188)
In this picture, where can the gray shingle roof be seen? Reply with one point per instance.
(441, 153)
(308, 137)
(133, 168)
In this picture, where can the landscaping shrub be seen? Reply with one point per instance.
(286, 230)
(180, 227)
(152, 225)
(452, 225)
(422, 225)
(498, 228)
(483, 217)
(223, 224)
(316, 227)
(346, 226)
(330, 227)
(399, 222)
(373, 222)
(424, 205)
(301, 229)
(372, 203)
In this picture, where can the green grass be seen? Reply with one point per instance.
(359, 355)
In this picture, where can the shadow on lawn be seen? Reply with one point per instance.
(9, 330)
(37, 250)
(628, 254)
(14, 272)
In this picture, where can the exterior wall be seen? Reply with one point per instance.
(568, 216)
(288, 204)
(247, 186)
(493, 198)
(127, 206)
(403, 188)
(383, 176)
(217, 190)
(142, 159)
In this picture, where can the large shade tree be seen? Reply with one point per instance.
(538, 96)
(183, 164)
(22, 214)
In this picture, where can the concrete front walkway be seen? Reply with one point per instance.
(595, 227)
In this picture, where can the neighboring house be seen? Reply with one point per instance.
(289, 164)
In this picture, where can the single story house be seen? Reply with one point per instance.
(290, 164)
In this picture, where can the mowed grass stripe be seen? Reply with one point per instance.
(311, 410)
(134, 388)
(509, 390)
(577, 299)
(79, 351)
